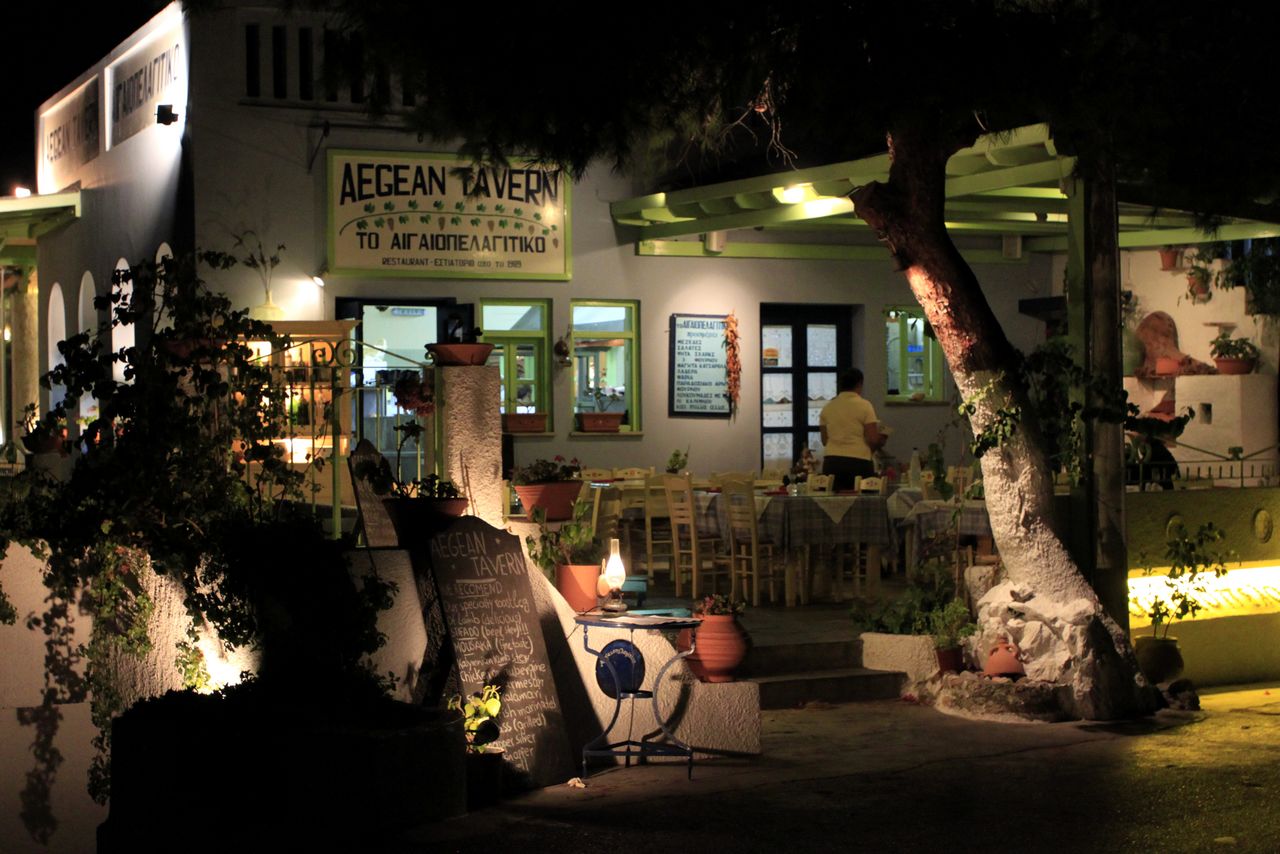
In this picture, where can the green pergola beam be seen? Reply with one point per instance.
(1150, 238)
(752, 219)
(796, 252)
(1050, 171)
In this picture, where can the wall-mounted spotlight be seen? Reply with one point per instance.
(318, 278)
(165, 114)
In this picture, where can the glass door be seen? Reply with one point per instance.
(803, 349)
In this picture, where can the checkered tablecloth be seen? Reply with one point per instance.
(928, 518)
(795, 521)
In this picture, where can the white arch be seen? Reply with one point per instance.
(87, 317)
(122, 336)
(164, 253)
(56, 326)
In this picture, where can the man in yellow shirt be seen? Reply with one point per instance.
(850, 433)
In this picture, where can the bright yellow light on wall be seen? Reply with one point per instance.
(795, 193)
(1243, 591)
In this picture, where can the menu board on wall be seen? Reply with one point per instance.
(698, 384)
(483, 582)
(424, 215)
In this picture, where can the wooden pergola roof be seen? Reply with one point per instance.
(1007, 184)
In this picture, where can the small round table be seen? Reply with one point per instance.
(631, 689)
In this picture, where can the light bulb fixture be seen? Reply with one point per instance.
(165, 114)
(794, 194)
(615, 575)
(318, 278)
(21, 193)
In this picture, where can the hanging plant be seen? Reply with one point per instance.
(732, 363)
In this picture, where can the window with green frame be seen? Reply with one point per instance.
(520, 332)
(606, 358)
(914, 363)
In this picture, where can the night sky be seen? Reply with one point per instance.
(47, 45)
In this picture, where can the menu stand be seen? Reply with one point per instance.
(626, 685)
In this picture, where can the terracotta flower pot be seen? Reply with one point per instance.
(950, 660)
(721, 646)
(524, 422)
(555, 498)
(1167, 366)
(1003, 660)
(417, 518)
(1170, 259)
(1234, 366)
(460, 354)
(484, 778)
(577, 584)
(1159, 658)
(600, 422)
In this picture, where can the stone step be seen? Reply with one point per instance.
(844, 685)
(794, 658)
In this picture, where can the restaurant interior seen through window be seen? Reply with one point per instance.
(606, 358)
(913, 363)
(520, 333)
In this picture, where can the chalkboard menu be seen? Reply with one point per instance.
(699, 384)
(492, 618)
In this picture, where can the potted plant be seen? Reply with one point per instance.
(1234, 355)
(1190, 558)
(720, 644)
(551, 484)
(43, 436)
(1258, 272)
(484, 762)
(678, 461)
(461, 347)
(1199, 279)
(601, 420)
(568, 555)
(950, 624)
(524, 422)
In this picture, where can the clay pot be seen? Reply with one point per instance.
(950, 660)
(577, 584)
(1234, 366)
(1170, 259)
(484, 778)
(555, 498)
(1168, 366)
(1003, 660)
(1159, 658)
(600, 422)
(721, 646)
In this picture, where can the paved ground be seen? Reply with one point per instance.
(893, 776)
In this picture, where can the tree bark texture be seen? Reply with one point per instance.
(907, 213)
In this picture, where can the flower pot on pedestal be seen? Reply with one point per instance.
(721, 646)
(460, 354)
(951, 660)
(1234, 366)
(577, 584)
(555, 498)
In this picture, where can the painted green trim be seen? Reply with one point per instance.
(1033, 173)
(935, 383)
(633, 368)
(541, 339)
(1149, 239)
(797, 252)
(750, 219)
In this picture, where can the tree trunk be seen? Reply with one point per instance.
(1048, 607)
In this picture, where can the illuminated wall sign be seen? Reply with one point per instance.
(69, 137)
(152, 75)
(1240, 592)
(405, 214)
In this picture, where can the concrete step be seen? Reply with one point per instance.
(843, 685)
(794, 658)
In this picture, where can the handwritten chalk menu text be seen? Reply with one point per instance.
(699, 381)
(405, 214)
(490, 612)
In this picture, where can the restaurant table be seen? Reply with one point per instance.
(620, 675)
(930, 518)
(796, 523)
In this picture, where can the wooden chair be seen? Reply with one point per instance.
(773, 475)
(633, 473)
(596, 474)
(870, 485)
(691, 553)
(960, 478)
(746, 550)
(821, 482)
(657, 526)
(606, 514)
